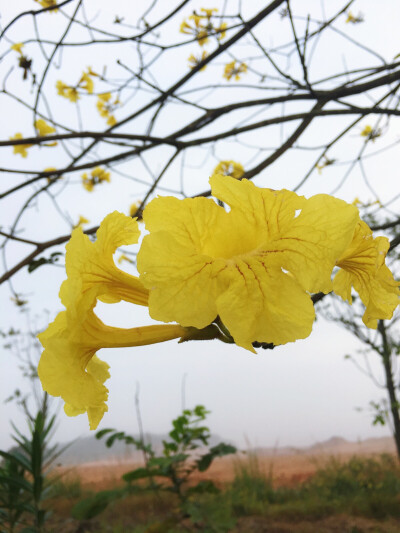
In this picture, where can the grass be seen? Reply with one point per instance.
(367, 488)
(66, 488)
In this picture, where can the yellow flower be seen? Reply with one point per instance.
(86, 82)
(326, 163)
(221, 29)
(253, 266)
(362, 266)
(194, 61)
(105, 107)
(198, 30)
(231, 70)
(71, 93)
(43, 128)
(229, 168)
(68, 366)
(82, 220)
(17, 47)
(97, 175)
(20, 148)
(48, 3)
(208, 12)
(370, 133)
(366, 131)
(354, 20)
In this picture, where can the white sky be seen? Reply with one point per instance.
(294, 395)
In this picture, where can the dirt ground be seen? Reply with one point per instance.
(287, 467)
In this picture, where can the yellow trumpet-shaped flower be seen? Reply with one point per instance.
(229, 168)
(362, 266)
(68, 366)
(253, 266)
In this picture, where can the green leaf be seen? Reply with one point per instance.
(140, 473)
(87, 509)
(203, 487)
(18, 458)
(100, 434)
(36, 263)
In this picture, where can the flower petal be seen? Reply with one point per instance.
(264, 304)
(91, 269)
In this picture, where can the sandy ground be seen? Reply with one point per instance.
(287, 467)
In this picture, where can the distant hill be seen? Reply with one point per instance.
(335, 445)
(89, 449)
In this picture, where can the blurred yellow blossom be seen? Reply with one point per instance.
(97, 175)
(208, 12)
(229, 168)
(86, 83)
(20, 148)
(362, 266)
(17, 47)
(82, 220)
(71, 92)
(69, 366)
(194, 61)
(221, 30)
(43, 128)
(254, 267)
(48, 3)
(198, 30)
(354, 19)
(325, 163)
(370, 133)
(51, 178)
(106, 107)
(232, 70)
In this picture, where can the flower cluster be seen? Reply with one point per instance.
(71, 92)
(106, 107)
(242, 276)
(97, 176)
(201, 26)
(234, 70)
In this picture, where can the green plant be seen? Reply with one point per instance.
(171, 471)
(24, 481)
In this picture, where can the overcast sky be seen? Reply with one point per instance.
(296, 394)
